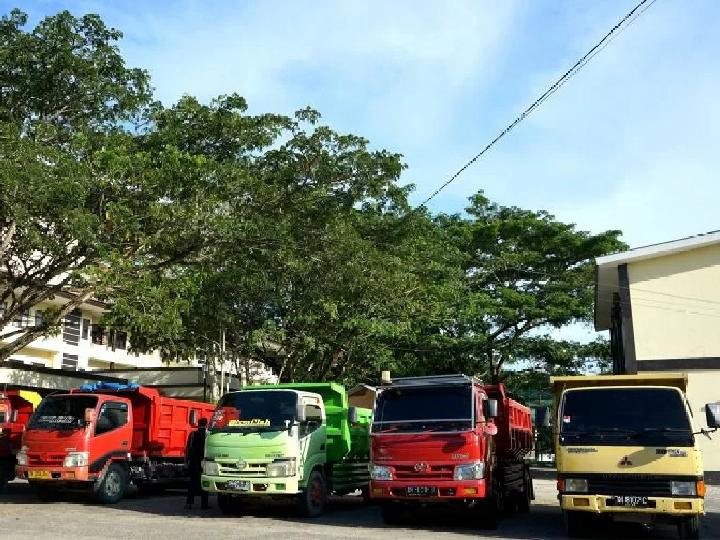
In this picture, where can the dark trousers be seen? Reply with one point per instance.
(195, 488)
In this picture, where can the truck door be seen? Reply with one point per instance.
(113, 433)
(312, 434)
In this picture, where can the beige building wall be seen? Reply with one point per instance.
(676, 305)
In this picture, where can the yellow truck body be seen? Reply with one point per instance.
(610, 462)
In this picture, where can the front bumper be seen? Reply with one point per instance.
(47, 473)
(599, 504)
(258, 486)
(447, 490)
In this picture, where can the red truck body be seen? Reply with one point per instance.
(16, 407)
(107, 436)
(450, 439)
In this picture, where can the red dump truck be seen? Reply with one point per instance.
(100, 438)
(16, 406)
(450, 439)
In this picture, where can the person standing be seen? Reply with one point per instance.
(194, 453)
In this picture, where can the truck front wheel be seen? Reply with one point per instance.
(113, 485)
(689, 527)
(312, 500)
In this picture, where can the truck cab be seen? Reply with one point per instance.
(283, 441)
(626, 449)
(449, 439)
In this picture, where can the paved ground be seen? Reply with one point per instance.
(22, 516)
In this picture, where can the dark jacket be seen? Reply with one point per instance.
(195, 449)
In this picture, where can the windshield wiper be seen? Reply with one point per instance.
(645, 431)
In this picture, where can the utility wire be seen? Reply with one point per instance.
(628, 19)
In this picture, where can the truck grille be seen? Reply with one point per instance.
(249, 469)
(45, 459)
(644, 485)
(431, 472)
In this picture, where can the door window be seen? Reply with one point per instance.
(112, 415)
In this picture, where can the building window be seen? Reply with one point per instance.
(117, 339)
(70, 362)
(71, 327)
(97, 334)
(85, 329)
(39, 317)
(22, 319)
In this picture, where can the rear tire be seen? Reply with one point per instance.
(4, 478)
(46, 494)
(525, 496)
(689, 527)
(311, 502)
(576, 524)
(393, 513)
(113, 485)
(229, 505)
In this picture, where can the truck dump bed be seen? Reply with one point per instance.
(16, 407)
(161, 424)
(344, 441)
(514, 421)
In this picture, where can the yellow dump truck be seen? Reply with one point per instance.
(626, 449)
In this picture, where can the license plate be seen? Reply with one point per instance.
(39, 475)
(237, 485)
(632, 501)
(420, 491)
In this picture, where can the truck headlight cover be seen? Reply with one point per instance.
(683, 488)
(210, 468)
(76, 459)
(577, 485)
(21, 456)
(281, 467)
(381, 472)
(470, 471)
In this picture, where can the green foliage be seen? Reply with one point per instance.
(219, 234)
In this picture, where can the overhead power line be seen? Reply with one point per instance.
(628, 19)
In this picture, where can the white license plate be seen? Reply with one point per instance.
(237, 485)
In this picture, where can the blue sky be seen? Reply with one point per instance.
(632, 142)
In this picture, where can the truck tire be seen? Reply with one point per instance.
(229, 505)
(392, 513)
(524, 497)
(689, 527)
(113, 485)
(576, 524)
(46, 493)
(4, 479)
(311, 502)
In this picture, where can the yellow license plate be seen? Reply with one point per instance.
(39, 475)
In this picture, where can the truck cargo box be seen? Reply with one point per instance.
(514, 422)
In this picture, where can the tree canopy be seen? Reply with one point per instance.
(213, 232)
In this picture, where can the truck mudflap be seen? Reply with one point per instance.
(428, 490)
(606, 504)
(251, 486)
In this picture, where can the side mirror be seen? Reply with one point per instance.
(712, 414)
(193, 418)
(490, 408)
(542, 417)
(353, 415)
(89, 416)
(301, 415)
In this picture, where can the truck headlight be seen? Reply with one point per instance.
(577, 485)
(21, 456)
(281, 467)
(683, 488)
(381, 472)
(470, 471)
(211, 468)
(76, 459)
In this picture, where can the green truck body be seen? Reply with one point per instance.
(297, 440)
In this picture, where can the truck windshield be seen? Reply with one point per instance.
(625, 416)
(407, 410)
(62, 412)
(255, 410)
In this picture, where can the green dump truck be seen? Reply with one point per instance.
(298, 440)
